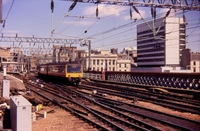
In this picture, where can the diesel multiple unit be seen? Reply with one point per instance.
(69, 72)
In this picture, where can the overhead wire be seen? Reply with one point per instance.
(104, 11)
(194, 28)
(4, 21)
(110, 43)
(117, 43)
(119, 27)
(70, 25)
(89, 28)
(66, 16)
(112, 30)
(178, 30)
(126, 31)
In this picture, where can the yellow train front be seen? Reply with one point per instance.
(71, 73)
(74, 73)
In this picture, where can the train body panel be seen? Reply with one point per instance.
(56, 70)
(74, 71)
(71, 72)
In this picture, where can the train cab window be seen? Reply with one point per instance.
(74, 69)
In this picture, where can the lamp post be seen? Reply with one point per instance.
(83, 43)
(105, 59)
(4, 71)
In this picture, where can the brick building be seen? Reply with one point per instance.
(190, 60)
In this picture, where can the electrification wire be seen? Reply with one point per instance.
(70, 25)
(192, 43)
(134, 28)
(177, 30)
(105, 12)
(115, 43)
(100, 33)
(126, 31)
(89, 28)
(93, 23)
(63, 19)
(4, 22)
(114, 29)
(195, 28)
(111, 43)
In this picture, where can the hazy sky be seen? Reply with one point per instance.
(113, 28)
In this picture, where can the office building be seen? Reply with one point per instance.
(163, 46)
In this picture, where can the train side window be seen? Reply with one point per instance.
(61, 68)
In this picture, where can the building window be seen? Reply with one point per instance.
(194, 63)
(113, 62)
(97, 62)
(124, 65)
(101, 62)
(113, 68)
(119, 65)
(109, 62)
(93, 62)
(194, 69)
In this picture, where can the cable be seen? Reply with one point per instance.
(89, 27)
(119, 27)
(7, 16)
(111, 43)
(126, 31)
(194, 28)
(131, 40)
(70, 25)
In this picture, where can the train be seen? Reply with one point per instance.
(66, 72)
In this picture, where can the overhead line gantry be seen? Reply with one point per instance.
(43, 40)
(33, 39)
(173, 4)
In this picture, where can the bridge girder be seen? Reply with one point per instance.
(42, 40)
(174, 4)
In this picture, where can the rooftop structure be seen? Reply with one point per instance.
(164, 48)
(190, 60)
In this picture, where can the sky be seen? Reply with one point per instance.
(113, 27)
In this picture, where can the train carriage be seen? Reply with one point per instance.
(70, 72)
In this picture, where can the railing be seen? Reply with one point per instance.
(93, 75)
(174, 80)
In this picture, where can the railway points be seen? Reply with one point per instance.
(64, 96)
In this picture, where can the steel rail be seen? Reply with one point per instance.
(115, 126)
(72, 111)
(149, 98)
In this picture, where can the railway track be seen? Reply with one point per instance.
(104, 111)
(108, 114)
(113, 122)
(179, 103)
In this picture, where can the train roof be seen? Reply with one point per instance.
(61, 63)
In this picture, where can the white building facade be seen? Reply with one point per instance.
(105, 61)
(194, 66)
(164, 48)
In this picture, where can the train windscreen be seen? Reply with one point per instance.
(74, 69)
